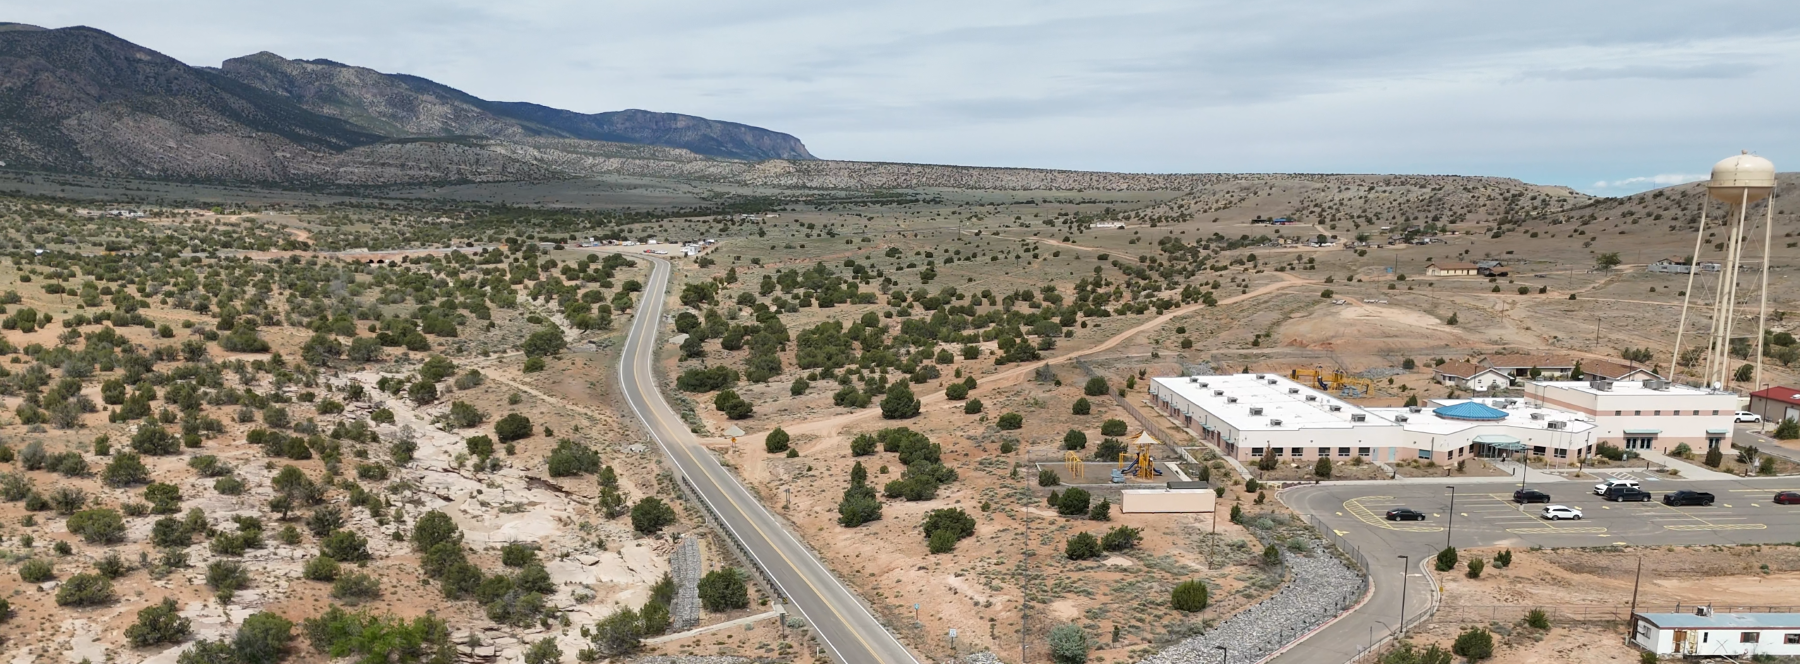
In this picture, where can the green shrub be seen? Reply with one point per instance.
(433, 528)
(1069, 644)
(1095, 387)
(956, 392)
(98, 526)
(1074, 502)
(125, 469)
(1009, 421)
(226, 577)
(512, 427)
(1101, 511)
(650, 515)
(776, 441)
(1474, 643)
(571, 458)
(1112, 427)
(85, 590)
(1474, 568)
(515, 554)
(1789, 429)
(1081, 407)
(941, 541)
(1121, 538)
(723, 590)
(1082, 546)
(1537, 619)
(1446, 559)
(1075, 440)
(1189, 596)
(1503, 559)
(321, 568)
(356, 588)
(158, 623)
(344, 546)
(37, 570)
(899, 403)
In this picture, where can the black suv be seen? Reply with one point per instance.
(1530, 496)
(1684, 498)
(1628, 494)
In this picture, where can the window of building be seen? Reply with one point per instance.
(1637, 412)
(1715, 412)
(1299, 452)
(1617, 413)
(1256, 451)
(1562, 453)
(1748, 637)
(1324, 452)
(1362, 451)
(1537, 450)
(1343, 451)
(1425, 454)
(1791, 639)
(1276, 451)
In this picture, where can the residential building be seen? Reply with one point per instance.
(1707, 634)
(1451, 270)
(1776, 403)
(1680, 266)
(1609, 370)
(1648, 414)
(1521, 366)
(1470, 376)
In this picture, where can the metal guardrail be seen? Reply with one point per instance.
(743, 551)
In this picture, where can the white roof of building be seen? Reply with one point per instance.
(1633, 388)
(1279, 398)
(1518, 415)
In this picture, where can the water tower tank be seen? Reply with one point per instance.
(1739, 175)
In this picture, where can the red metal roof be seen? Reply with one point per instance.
(1788, 395)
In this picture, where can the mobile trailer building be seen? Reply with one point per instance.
(1707, 634)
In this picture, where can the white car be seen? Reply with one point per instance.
(1601, 488)
(1747, 416)
(1560, 512)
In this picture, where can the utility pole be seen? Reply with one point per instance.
(1451, 527)
(1630, 621)
(1405, 571)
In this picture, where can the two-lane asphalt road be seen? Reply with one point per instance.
(849, 632)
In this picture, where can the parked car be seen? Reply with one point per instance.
(1560, 512)
(1405, 514)
(1627, 494)
(1523, 496)
(1685, 497)
(1787, 498)
(1747, 416)
(1601, 488)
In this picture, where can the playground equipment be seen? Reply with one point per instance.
(1344, 384)
(1141, 464)
(1072, 463)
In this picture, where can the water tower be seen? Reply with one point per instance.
(1739, 182)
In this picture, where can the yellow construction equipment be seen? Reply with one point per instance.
(1343, 383)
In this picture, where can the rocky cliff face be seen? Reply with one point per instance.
(82, 100)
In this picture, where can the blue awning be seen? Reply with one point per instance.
(1718, 431)
(1642, 432)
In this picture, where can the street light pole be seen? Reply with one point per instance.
(1451, 527)
(1405, 571)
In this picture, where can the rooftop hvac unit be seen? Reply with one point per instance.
(1272, 381)
(1702, 611)
(1537, 416)
(1556, 424)
(1193, 379)
(1399, 418)
(1312, 397)
(1336, 408)
(1413, 409)
(1294, 390)
(1656, 384)
(1230, 399)
(1602, 385)
(1359, 417)
(1274, 423)
(1259, 376)
(1203, 384)
(1218, 393)
(1255, 410)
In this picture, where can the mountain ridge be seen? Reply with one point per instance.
(81, 100)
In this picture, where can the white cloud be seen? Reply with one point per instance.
(1643, 182)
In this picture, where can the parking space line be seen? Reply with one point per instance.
(1359, 508)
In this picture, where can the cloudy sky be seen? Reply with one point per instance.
(1606, 97)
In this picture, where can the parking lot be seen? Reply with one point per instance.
(1485, 515)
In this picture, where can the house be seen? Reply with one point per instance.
(1470, 376)
(1680, 266)
(1520, 366)
(1776, 403)
(1107, 224)
(1451, 270)
(1492, 269)
(1707, 634)
(1608, 370)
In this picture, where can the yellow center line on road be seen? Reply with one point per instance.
(638, 373)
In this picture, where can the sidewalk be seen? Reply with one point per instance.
(1689, 471)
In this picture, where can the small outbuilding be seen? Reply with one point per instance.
(1189, 498)
(1707, 634)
